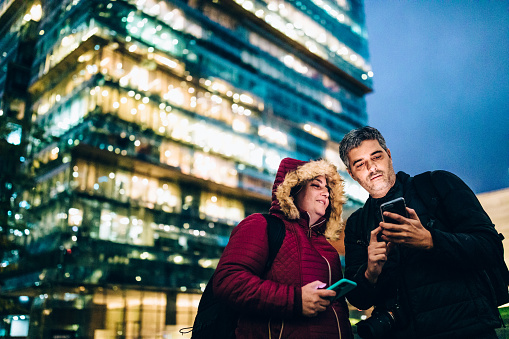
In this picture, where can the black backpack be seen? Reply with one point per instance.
(499, 274)
(217, 320)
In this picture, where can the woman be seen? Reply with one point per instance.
(289, 301)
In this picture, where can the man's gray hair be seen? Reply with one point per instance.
(355, 137)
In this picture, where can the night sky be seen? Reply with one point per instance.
(441, 86)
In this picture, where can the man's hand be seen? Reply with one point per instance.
(313, 300)
(408, 232)
(377, 256)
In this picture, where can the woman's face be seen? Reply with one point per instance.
(314, 198)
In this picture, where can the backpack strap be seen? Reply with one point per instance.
(427, 192)
(276, 233)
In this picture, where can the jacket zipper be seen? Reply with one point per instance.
(280, 332)
(330, 273)
(330, 276)
(310, 228)
(337, 322)
(330, 283)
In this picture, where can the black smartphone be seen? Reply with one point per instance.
(342, 287)
(397, 206)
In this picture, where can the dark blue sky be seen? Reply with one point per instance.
(441, 86)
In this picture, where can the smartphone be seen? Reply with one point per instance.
(342, 287)
(397, 206)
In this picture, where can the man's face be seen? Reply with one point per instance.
(371, 167)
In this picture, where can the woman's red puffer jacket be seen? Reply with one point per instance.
(270, 303)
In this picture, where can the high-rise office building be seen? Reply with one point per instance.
(150, 129)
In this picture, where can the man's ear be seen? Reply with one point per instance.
(389, 153)
(352, 176)
(350, 173)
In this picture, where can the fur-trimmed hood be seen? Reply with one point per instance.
(293, 172)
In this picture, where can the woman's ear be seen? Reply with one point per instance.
(295, 190)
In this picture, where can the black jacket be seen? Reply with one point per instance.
(444, 292)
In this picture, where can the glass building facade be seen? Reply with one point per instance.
(150, 129)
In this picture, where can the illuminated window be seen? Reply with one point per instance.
(187, 306)
(144, 308)
(171, 154)
(168, 197)
(215, 169)
(273, 135)
(218, 207)
(113, 226)
(75, 217)
(14, 137)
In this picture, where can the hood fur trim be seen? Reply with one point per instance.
(304, 173)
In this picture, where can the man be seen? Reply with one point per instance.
(424, 275)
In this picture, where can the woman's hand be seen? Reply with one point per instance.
(313, 298)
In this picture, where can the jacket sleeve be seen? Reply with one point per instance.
(356, 258)
(238, 277)
(470, 239)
